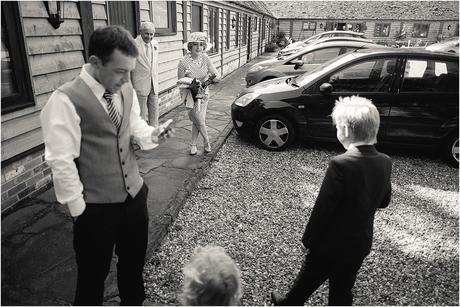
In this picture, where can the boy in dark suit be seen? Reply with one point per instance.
(339, 232)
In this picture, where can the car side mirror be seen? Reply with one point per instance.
(297, 64)
(325, 88)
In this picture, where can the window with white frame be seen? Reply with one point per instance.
(382, 30)
(16, 91)
(420, 30)
(237, 29)
(164, 17)
(227, 36)
(213, 28)
(197, 17)
(245, 30)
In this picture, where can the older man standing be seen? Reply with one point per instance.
(145, 75)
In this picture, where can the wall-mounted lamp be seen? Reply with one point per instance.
(233, 22)
(55, 11)
(321, 25)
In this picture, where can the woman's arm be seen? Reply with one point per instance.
(211, 69)
(181, 69)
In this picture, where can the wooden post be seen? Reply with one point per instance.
(185, 21)
(87, 24)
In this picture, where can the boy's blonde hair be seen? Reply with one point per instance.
(211, 278)
(361, 117)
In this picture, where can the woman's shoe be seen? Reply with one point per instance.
(207, 148)
(193, 150)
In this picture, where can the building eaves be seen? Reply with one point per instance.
(256, 6)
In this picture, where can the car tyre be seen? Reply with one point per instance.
(450, 152)
(274, 132)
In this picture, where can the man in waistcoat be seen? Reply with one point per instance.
(145, 75)
(87, 126)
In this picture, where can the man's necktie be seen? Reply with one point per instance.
(113, 113)
(148, 52)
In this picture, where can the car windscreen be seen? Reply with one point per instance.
(306, 77)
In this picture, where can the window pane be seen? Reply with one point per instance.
(320, 56)
(245, 29)
(160, 14)
(440, 68)
(421, 30)
(369, 76)
(213, 28)
(430, 76)
(382, 29)
(196, 18)
(9, 84)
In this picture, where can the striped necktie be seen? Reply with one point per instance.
(113, 113)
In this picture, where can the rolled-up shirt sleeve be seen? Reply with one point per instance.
(62, 135)
(139, 129)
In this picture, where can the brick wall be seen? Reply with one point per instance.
(23, 178)
(169, 100)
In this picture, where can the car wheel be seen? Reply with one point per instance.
(451, 151)
(275, 132)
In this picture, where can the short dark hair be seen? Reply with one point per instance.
(105, 40)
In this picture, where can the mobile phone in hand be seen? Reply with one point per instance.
(166, 127)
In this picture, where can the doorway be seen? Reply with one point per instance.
(126, 14)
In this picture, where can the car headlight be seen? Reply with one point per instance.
(256, 68)
(246, 99)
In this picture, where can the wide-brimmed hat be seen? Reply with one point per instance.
(199, 37)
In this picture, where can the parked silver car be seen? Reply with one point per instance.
(296, 46)
(303, 61)
(448, 45)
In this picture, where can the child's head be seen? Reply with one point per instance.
(357, 120)
(211, 278)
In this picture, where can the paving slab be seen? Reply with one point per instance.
(38, 261)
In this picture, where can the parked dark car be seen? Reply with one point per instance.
(303, 61)
(416, 92)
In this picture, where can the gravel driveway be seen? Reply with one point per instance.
(256, 204)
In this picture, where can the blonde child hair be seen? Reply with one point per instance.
(361, 117)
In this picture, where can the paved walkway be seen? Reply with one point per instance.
(38, 262)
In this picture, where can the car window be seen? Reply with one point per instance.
(342, 35)
(349, 49)
(430, 76)
(320, 56)
(368, 76)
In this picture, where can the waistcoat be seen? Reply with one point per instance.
(107, 165)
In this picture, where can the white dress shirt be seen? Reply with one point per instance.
(62, 135)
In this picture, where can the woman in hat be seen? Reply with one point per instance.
(196, 64)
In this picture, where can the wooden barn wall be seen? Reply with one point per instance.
(169, 54)
(99, 14)
(293, 28)
(55, 57)
(231, 56)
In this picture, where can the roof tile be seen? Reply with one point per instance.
(404, 10)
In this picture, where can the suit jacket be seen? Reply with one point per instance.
(342, 220)
(142, 77)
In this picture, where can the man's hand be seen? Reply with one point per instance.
(163, 132)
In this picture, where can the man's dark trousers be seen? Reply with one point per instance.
(314, 272)
(97, 231)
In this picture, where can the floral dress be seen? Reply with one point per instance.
(198, 69)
